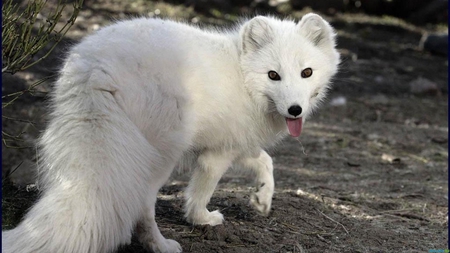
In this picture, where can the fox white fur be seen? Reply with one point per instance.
(137, 97)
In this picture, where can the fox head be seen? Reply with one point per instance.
(287, 67)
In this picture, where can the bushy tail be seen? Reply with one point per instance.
(96, 166)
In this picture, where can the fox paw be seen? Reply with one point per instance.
(213, 218)
(166, 246)
(261, 200)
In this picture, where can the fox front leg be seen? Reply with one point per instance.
(262, 165)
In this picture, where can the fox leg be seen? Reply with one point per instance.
(211, 166)
(262, 165)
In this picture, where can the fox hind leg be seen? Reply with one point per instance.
(148, 232)
(171, 147)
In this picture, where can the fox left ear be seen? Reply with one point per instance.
(317, 30)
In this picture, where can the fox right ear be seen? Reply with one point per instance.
(317, 30)
(255, 34)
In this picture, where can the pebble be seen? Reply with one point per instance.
(423, 86)
(338, 101)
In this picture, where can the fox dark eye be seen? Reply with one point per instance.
(274, 75)
(307, 72)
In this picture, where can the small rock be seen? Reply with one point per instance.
(380, 99)
(373, 136)
(439, 140)
(95, 27)
(353, 164)
(435, 43)
(379, 79)
(338, 101)
(277, 2)
(390, 158)
(423, 86)
(300, 192)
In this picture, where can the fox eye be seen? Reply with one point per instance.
(307, 72)
(274, 75)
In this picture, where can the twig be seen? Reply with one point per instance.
(411, 216)
(396, 216)
(302, 250)
(317, 233)
(333, 221)
(290, 226)
(10, 173)
(322, 239)
(312, 224)
(19, 120)
(239, 245)
(398, 210)
(303, 148)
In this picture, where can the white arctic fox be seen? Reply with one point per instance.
(137, 97)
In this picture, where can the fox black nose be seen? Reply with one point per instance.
(295, 110)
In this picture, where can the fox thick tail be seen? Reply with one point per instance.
(96, 165)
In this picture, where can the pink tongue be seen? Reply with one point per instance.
(294, 126)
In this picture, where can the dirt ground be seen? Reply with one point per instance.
(368, 174)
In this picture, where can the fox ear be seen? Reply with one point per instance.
(255, 34)
(316, 30)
